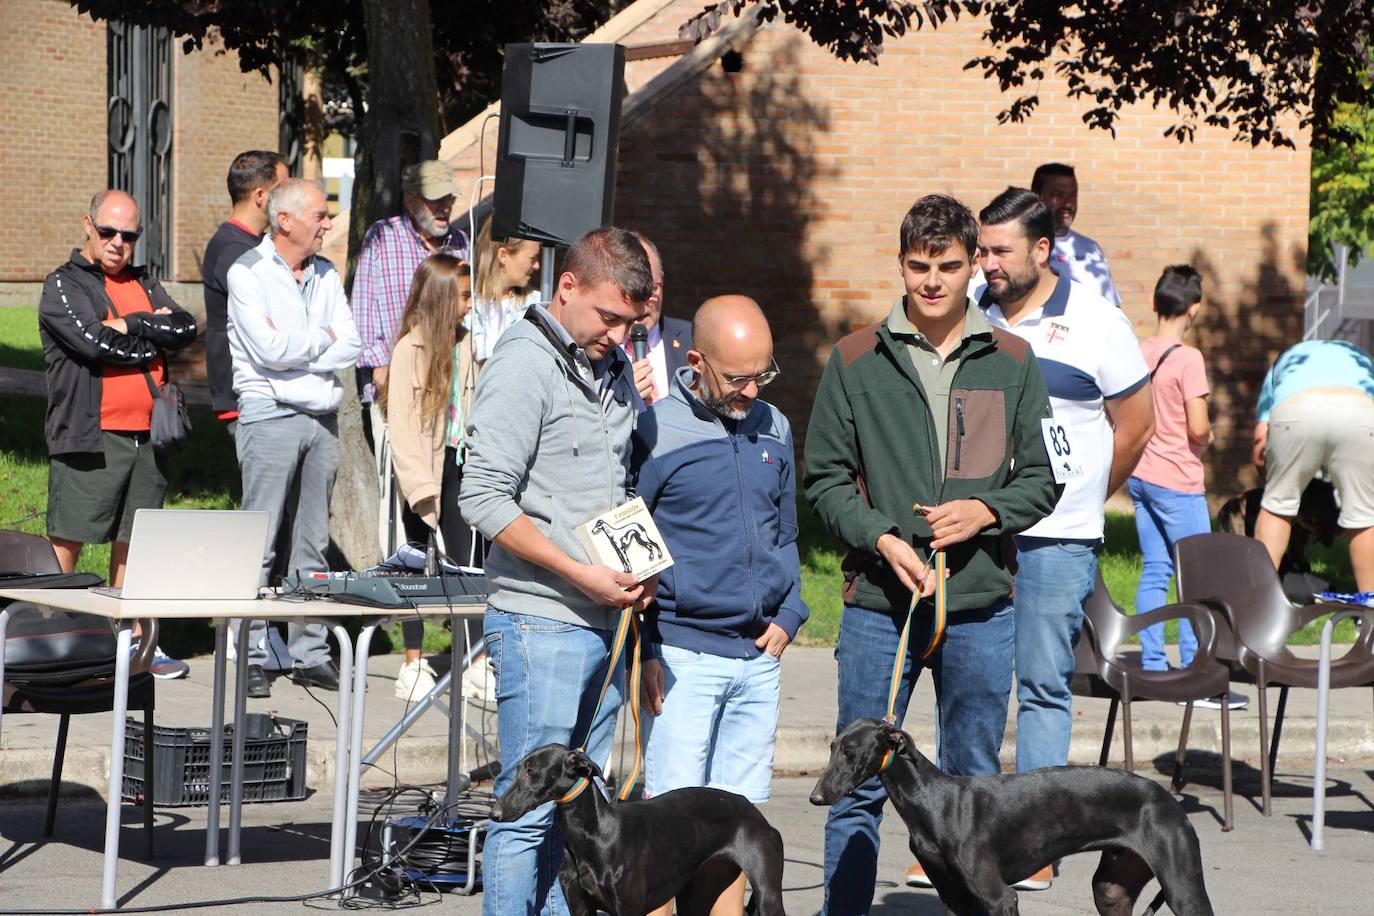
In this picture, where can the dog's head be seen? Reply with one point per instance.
(543, 775)
(856, 755)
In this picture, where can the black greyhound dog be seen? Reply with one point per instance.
(632, 857)
(976, 835)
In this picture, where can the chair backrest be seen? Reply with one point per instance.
(1108, 621)
(29, 553)
(1237, 570)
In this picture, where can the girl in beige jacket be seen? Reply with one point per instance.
(429, 388)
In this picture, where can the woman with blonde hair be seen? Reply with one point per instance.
(429, 388)
(505, 270)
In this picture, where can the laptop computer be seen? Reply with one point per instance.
(193, 554)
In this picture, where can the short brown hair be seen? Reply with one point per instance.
(615, 255)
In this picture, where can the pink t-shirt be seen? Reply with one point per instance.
(1170, 460)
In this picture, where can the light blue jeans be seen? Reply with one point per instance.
(1162, 518)
(972, 672)
(548, 675)
(1053, 579)
(718, 725)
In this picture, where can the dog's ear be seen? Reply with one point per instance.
(577, 763)
(896, 739)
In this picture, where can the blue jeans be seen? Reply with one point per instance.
(548, 675)
(1053, 579)
(972, 671)
(1162, 518)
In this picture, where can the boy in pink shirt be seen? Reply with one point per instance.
(1167, 486)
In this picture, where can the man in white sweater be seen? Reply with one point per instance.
(290, 331)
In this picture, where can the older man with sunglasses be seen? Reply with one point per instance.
(106, 327)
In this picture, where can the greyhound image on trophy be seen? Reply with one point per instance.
(627, 539)
(626, 536)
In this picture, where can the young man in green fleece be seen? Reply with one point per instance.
(931, 407)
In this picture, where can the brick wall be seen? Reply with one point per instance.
(53, 153)
(219, 112)
(788, 181)
(52, 132)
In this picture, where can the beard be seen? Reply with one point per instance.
(721, 406)
(427, 223)
(1014, 287)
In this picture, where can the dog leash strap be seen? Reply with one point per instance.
(937, 633)
(627, 624)
(634, 674)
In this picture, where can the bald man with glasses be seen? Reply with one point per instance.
(716, 468)
(106, 327)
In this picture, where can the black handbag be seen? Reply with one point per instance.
(52, 647)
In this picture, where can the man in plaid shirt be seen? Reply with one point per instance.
(392, 250)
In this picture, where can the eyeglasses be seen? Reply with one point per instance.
(739, 382)
(130, 236)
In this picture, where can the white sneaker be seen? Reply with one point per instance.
(479, 681)
(414, 680)
(1234, 701)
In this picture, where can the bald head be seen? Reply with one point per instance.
(731, 341)
(729, 322)
(115, 215)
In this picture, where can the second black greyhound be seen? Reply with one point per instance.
(977, 835)
(632, 857)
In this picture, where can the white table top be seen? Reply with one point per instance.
(89, 602)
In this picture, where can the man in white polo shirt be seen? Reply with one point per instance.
(1074, 254)
(1103, 417)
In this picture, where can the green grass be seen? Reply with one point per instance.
(1120, 564)
(19, 344)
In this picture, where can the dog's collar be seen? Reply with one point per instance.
(577, 789)
(888, 756)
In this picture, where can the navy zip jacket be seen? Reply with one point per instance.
(723, 495)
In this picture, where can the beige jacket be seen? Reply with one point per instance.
(417, 450)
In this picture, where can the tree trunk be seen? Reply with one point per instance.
(401, 126)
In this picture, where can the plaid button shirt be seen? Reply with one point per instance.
(392, 251)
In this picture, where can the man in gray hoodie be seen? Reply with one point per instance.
(548, 447)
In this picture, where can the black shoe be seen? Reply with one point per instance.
(259, 686)
(325, 676)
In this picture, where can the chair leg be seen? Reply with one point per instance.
(1278, 731)
(1107, 735)
(1126, 724)
(1177, 785)
(1264, 739)
(1227, 822)
(149, 743)
(56, 784)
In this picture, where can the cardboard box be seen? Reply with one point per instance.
(626, 539)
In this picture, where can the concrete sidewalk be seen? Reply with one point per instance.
(806, 726)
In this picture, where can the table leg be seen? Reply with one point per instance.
(1323, 704)
(116, 785)
(240, 733)
(338, 860)
(355, 767)
(216, 742)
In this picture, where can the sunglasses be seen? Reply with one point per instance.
(130, 236)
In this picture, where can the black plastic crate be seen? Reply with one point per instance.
(273, 762)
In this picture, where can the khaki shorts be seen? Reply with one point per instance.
(1309, 432)
(92, 498)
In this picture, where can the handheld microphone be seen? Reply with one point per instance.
(639, 341)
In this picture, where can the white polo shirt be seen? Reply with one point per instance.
(1089, 355)
(1082, 259)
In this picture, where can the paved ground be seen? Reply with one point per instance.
(1264, 866)
(806, 726)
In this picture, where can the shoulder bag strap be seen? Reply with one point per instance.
(148, 376)
(1162, 358)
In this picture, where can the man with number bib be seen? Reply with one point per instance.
(1103, 418)
(931, 406)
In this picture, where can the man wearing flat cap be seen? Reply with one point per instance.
(392, 250)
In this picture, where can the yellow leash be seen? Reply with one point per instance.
(937, 634)
(628, 624)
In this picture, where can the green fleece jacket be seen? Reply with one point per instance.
(872, 452)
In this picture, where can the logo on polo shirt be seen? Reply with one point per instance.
(767, 458)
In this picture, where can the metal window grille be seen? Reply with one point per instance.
(139, 87)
